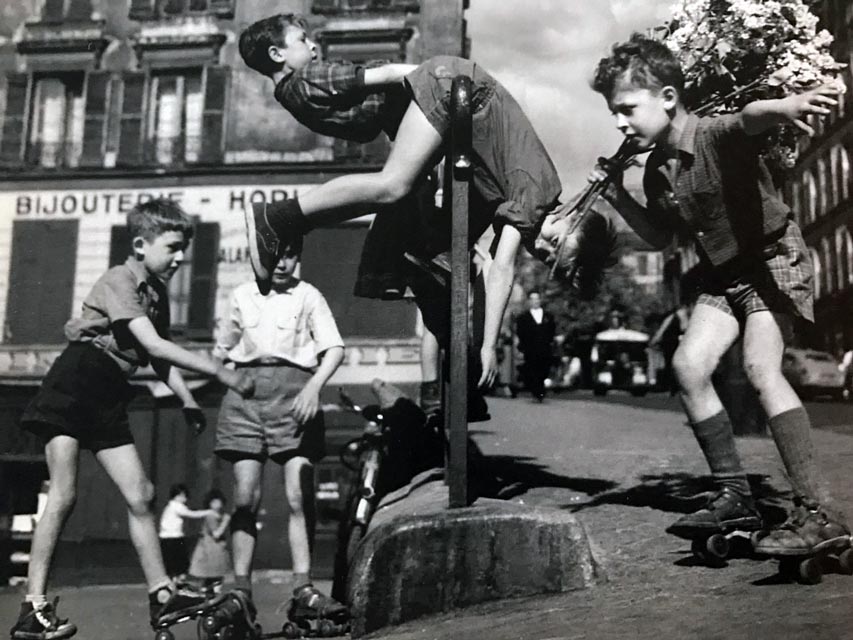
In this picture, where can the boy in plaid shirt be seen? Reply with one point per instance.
(704, 177)
(515, 183)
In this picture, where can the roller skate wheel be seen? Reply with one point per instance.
(326, 628)
(789, 568)
(164, 634)
(845, 561)
(697, 548)
(718, 546)
(210, 624)
(291, 630)
(810, 571)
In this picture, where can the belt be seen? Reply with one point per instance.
(265, 363)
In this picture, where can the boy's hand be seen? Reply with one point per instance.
(306, 404)
(237, 381)
(606, 170)
(796, 108)
(194, 417)
(489, 363)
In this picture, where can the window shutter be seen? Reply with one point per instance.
(203, 286)
(15, 118)
(79, 10)
(130, 146)
(141, 9)
(53, 11)
(213, 118)
(120, 247)
(95, 127)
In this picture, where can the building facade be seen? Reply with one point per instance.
(104, 104)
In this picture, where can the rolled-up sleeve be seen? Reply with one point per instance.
(321, 323)
(527, 202)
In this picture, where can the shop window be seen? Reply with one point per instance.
(192, 289)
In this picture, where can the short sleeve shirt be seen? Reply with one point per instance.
(330, 98)
(123, 293)
(293, 326)
(720, 192)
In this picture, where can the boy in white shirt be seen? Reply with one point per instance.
(288, 343)
(173, 541)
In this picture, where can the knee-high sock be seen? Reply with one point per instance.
(717, 442)
(792, 433)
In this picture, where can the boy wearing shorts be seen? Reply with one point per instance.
(515, 183)
(288, 344)
(82, 404)
(705, 177)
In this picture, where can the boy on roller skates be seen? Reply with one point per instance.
(704, 176)
(82, 403)
(515, 183)
(287, 342)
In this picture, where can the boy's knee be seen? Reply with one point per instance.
(139, 503)
(247, 496)
(761, 373)
(295, 498)
(690, 368)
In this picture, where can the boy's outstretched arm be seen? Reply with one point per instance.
(159, 348)
(498, 287)
(387, 73)
(638, 217)
(307, 402)
(761, 115)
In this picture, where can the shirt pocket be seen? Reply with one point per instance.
(288, 328)
(708, 207)
(251, 316)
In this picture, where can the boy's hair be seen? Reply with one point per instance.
(213, 494)
(645, 63)
(178, 489)
(583, 271)
(152, 218)
(258, 37)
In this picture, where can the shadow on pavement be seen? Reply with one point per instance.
(685, 493)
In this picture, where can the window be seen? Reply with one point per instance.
(174, 117)
(163, 115)
(192, 289)
(826, 263)
(345, 6)
(811, 197)
(155, 9)
(57, 117)
(818, 273)
(795, 200)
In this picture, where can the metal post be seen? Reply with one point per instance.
(456, 392)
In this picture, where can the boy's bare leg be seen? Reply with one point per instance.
(763, 346)
(124, 467)
(710, 333)
(298, 475)
(62, 454)
(430, 399)
(247, 498)
(413, 151)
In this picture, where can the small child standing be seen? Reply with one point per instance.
(82, 404)
(211, 560)
(705, 177)
(173, 540)
(288, 343)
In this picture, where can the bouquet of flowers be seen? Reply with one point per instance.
(736, 51)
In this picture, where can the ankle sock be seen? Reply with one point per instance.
(717, 442)
(37, 601)
(160, 592)
(300, 580)
(244, 583)
(792, 433)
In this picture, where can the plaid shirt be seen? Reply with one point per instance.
(330, 99)
(721, 192)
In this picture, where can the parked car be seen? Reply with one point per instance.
(813, 373)
(620, 361)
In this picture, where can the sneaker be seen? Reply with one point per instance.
(265, 247)
(41, 624)
(725, 511)
(185, 601)
(808, 530)
(309, 604)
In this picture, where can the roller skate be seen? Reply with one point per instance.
(233, 618)
(185, 603)
(808, 544)
(312, 614)
(41, 624)
(720, 529)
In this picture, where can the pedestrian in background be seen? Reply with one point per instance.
(535, 331)
(173, 539)
(211, 559)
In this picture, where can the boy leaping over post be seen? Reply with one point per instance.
(82, 403)
(515, 183)
(704, 176)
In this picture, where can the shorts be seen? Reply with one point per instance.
(176, 556)
(782, 283)
(84, 395)
(262, 426)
